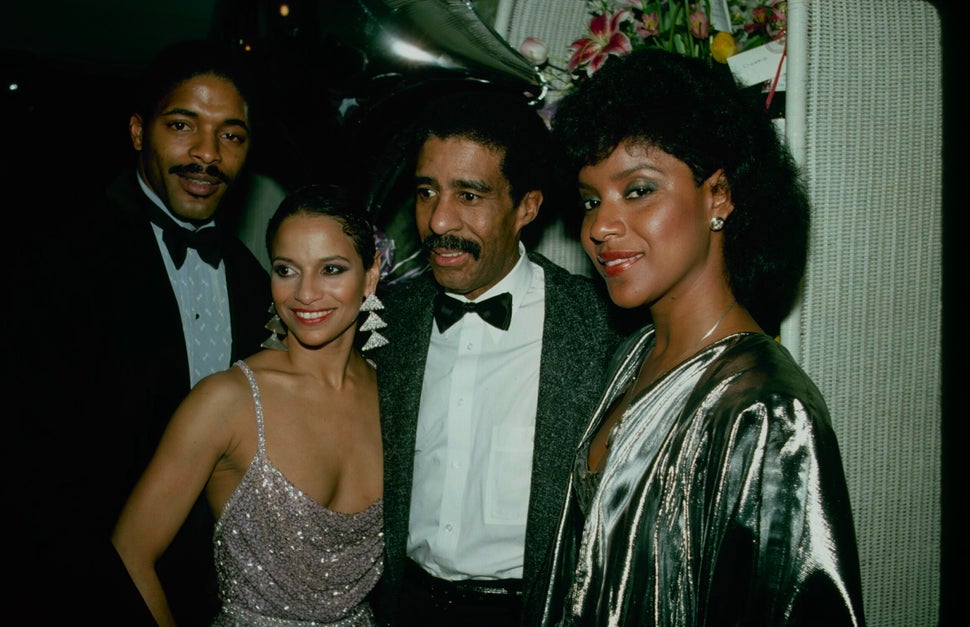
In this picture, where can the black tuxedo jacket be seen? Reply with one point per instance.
(115, 337)
(578, 339)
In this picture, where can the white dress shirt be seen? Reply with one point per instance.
(203, 297)
(476, 427)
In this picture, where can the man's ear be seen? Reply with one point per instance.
(135, 130)
(528, 208)
(720, 188)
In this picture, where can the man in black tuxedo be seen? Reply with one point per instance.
(481, 408)
(159, 296)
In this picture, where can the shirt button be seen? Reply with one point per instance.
(448, 527)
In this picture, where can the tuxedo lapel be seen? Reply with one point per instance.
(400, 373)
(150, 292)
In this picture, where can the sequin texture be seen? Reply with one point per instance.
(284, 559)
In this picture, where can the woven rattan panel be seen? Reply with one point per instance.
(870, 323)
(557, 23)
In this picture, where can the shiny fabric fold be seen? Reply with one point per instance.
(723, 501)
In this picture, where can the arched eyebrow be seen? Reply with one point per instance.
(478, 186)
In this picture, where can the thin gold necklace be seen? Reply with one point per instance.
(690, 349)
(710, 332)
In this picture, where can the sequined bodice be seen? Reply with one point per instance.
(284, 559)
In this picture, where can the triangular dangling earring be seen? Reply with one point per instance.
(274, 341)
(372, 304)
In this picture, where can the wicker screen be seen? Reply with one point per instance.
(867, 122)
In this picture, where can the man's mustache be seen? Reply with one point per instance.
(195, 168)
(451, 242)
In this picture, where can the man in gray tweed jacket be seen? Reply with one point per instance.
(481, 409)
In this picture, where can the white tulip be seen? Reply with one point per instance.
(535, 50)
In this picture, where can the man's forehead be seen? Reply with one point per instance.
(206, 92)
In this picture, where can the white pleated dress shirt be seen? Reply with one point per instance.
(203, 297)
(476, 425)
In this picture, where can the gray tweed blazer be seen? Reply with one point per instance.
(579, 335)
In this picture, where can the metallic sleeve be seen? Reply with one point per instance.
(723, 502)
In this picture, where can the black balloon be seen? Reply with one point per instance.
(399, 43)
(346, 76)
(394, 55)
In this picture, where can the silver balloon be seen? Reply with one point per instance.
(403, 42)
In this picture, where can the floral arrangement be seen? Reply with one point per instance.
(385, 246)
(617, 27)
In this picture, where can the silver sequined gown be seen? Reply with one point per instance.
(285, 560)
(722, 501)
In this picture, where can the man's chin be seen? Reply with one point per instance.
(197, 209)
(450, 279)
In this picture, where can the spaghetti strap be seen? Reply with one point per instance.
(261, 436)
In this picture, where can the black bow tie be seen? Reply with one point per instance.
(497, 310)
(178, 239)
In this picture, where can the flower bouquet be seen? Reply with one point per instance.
(714, 30)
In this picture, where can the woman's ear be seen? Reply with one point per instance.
(373, 275)
(720, 188)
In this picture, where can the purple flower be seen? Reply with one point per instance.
(385, 246)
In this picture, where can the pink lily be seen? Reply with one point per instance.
(649, 25)
(605, 38)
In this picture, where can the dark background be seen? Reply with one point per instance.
(65, 129)
(75, 62)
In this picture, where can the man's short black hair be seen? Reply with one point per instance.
(187, 59)
(501, 121)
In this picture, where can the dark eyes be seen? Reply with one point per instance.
(635, 192)
(283, 270)
(639, 192)
(425, 193)
(232, 136)
(334, 269)
(235, 137)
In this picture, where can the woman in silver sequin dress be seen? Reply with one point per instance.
(708, 488)
(286, 445)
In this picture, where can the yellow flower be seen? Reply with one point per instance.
(723, 47)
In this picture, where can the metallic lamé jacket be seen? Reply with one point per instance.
(723, 501)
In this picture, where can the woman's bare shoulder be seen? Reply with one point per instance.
(217, 402)
(222, 387)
